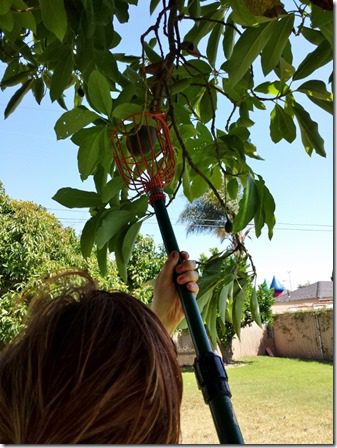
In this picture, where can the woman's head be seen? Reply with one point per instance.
(91, 367)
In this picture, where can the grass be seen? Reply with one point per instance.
(276, 401)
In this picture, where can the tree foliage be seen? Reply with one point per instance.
(34, 245)
(199, 63)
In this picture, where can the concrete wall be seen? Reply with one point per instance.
(304, 335)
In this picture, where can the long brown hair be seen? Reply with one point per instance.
(91, 367)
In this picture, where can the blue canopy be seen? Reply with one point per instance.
(276, 285)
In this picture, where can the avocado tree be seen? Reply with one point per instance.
(197, 58)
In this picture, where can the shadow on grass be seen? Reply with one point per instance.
(186, 368)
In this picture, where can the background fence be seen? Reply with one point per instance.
(303, 335)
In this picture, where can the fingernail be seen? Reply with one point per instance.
(174, 255)
(181, 278)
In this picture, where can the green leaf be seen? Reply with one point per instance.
(15, 73)
(241, 13)
(125, 110)
(110, 225)
(17, 98)
(211, 321)
(153, 5)
(89, 141)
(265, 213)
(316, 89)
(208, 105)
(88, 236)
(5, 6)
(232, 188)
(112, 189)
(203, 300)
(311, 138)
(99, 92)
(228, 38)
(272, 52)
(102, 255)
(151, 54)
(194, 8)
(323, 19)
(74, 198)
(203, 27)
(328, 106)
(284, 70)
(255, 309)
(26, 19)
(223, 299)
(121, 266)
(213, 43)
(38, 89)
(247, 206)
(271, 88)
(250, 44)
(281, 125)
(61, 77)
(74, 120)
(315, 37)
(314, 60)
(129, 241)
(237, 311)
(54, 17)
(180, 85)
(7, 22)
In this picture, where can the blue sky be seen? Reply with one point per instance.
(34, 165)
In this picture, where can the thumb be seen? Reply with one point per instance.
(171, 263)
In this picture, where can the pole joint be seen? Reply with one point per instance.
(211, 376)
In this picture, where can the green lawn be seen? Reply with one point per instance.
(276, 401)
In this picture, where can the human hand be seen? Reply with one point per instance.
(166, 302)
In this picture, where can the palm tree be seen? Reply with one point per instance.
(206, 214)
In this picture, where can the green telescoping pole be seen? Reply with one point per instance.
(209, 368)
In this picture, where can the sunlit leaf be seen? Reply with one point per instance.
(238, 300)
(314, 60)
(213, 43)
(112, 188)
(311, 138)
(74, 120)
(316, 89)
(247, 206)
(75, 198)
(250, 44)
(254, 308)
(279, 35)
(110, 225)
(99, 92)
(223, 300)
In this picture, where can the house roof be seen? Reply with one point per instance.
(318, 290)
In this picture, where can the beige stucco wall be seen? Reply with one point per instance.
(253, 341)
(304, 335)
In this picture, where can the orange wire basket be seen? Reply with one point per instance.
(143, 152)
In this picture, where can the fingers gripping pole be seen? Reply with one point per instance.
(209, 368)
